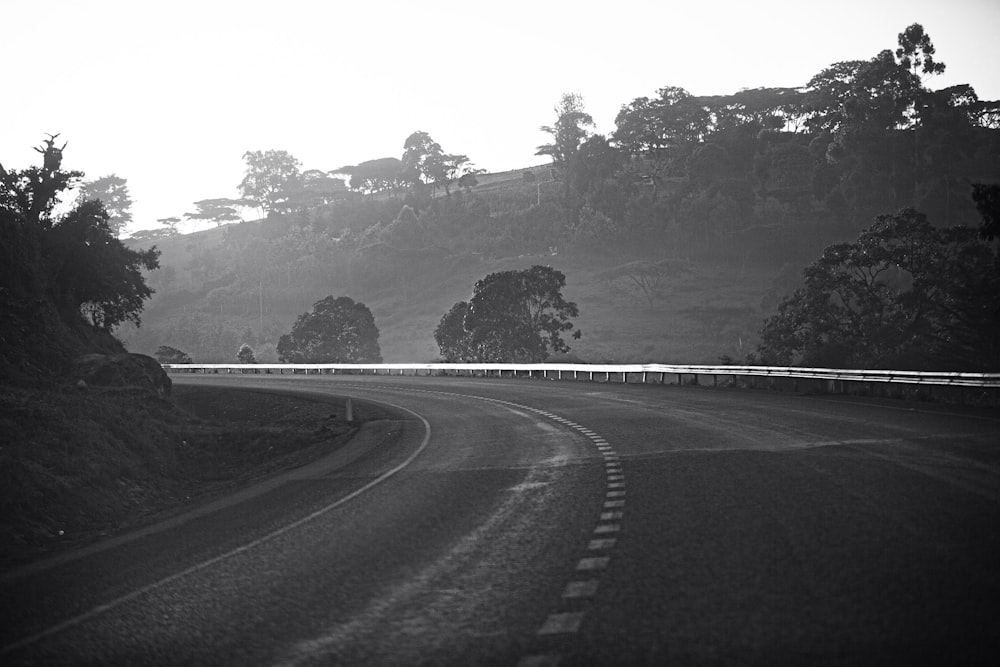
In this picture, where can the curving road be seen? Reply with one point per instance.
(524, 522)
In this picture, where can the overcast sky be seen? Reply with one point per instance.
(170, 95)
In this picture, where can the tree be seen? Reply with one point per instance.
(453, 338)
(112, 191)
(425, 162)
(75, 261)
(270, 177)
(513, 316)
(245, 354)
(217, 210)
(916, 52)
(319, 187)
(987, 198)
(468, 180)
(170, 223)
(570, 129)
(337, 330)
(655, 125)
(374, 175)
(827, 94)
(422, 157)
(171, 355)
(93, 272)
(904, 294)
(452, 167)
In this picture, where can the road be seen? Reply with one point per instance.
(534, 522)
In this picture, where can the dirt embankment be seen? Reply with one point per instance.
(77, 466)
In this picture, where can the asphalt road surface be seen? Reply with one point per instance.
(533, 522)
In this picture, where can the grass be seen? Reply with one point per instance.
(76, 466)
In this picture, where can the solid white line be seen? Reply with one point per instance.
(117, 602)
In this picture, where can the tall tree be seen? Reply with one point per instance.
(112, 191)
(270, 177)
(422, 157)
(916, 52)
(569, 131)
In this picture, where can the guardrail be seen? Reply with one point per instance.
(644, 373)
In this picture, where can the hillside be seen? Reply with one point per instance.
(678, 232)
(248, 282)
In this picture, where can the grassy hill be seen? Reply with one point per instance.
(247, 282)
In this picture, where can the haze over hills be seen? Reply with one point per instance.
(247, 282)
(678, 234)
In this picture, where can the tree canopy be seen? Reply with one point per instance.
(245, 354)
(376, 175)
(112, 191)
(270, 176)
(569, 131)
(75, 261)
(513, 316)
(904, 294)
(171, 355)
(337, 330)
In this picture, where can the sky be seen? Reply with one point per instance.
(171, 95)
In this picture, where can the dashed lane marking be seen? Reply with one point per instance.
(563, 623)
(601, 543)
(581, 589)
(569, 621)
(594, 563)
